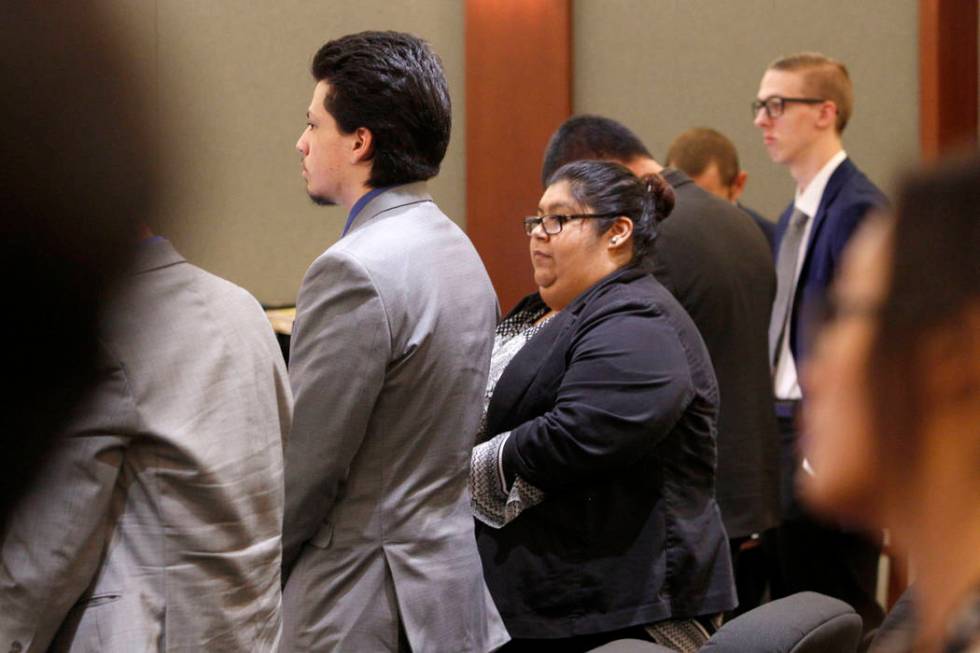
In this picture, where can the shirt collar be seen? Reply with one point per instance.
(808, 201)
(359, 206)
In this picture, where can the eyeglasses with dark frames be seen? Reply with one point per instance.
(834, 309)
(552, 224)
(776, 105)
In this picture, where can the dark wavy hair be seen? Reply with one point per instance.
(609, 187)
(590, 137)
(392, 84)
(934, 279)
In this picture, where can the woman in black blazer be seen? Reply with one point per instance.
(593, 483)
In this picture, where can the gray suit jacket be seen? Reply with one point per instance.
(156, 523)
(389, 359)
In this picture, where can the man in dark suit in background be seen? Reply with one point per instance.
(803, 104)
(711, 160)
(719, 267)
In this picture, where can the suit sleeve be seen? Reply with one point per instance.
(54, 541)
(342, 345)
(625, 388)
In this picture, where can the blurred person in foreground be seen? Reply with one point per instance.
(593, 483)
(711, 160)
(148, 395)
(892, 423)
(155, 523)
(390, 350)
(76, 178)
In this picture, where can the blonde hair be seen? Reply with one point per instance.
(824, 78)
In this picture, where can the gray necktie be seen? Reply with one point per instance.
(786, 259)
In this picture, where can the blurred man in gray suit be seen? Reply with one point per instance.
(389, 360)
(155, 525)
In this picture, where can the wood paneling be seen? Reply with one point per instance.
(518, 90)
(947, 75)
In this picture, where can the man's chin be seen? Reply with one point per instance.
(321, 200)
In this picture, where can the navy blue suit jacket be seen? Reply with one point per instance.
(846, 200)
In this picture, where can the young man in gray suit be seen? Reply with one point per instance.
(155, 525)
(389, 360)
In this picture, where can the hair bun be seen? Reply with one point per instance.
(661, 193)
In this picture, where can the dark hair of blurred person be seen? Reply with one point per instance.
(893, 424)
(591, 137)
(391, 84)
(75, 182)
(595, 463)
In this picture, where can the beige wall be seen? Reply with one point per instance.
(232, 85)
(662, 66)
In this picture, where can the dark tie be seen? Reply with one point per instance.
(786, 259)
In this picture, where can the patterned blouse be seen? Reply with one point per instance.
(492, 502)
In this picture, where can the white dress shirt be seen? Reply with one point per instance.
(786, 383)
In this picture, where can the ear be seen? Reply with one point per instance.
(738, 185)
(619, 234)
(362, 145)
(827, 117)
(952, 356)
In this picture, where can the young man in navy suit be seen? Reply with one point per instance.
(802, 107)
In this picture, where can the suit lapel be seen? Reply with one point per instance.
(522, 371)
(155, 253)
(524, 375)
(836, 182)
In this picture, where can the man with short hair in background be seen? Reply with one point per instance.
(390, 354)
(802, 107)
(711, 160)
(717, 264)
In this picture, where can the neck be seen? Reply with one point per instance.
(643, 166)
(350, 195)
(947, 573)
(942, 530)
(809, 163)
(595, 273)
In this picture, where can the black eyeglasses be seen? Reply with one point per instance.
(776, 104)
(552, 224)
(834, 309)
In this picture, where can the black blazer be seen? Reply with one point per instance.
(719, 266)
(768, 228)
(611, 409)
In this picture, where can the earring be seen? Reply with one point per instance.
(614, 240)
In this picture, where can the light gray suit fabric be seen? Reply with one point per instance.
(389, 358)
(156, 523)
